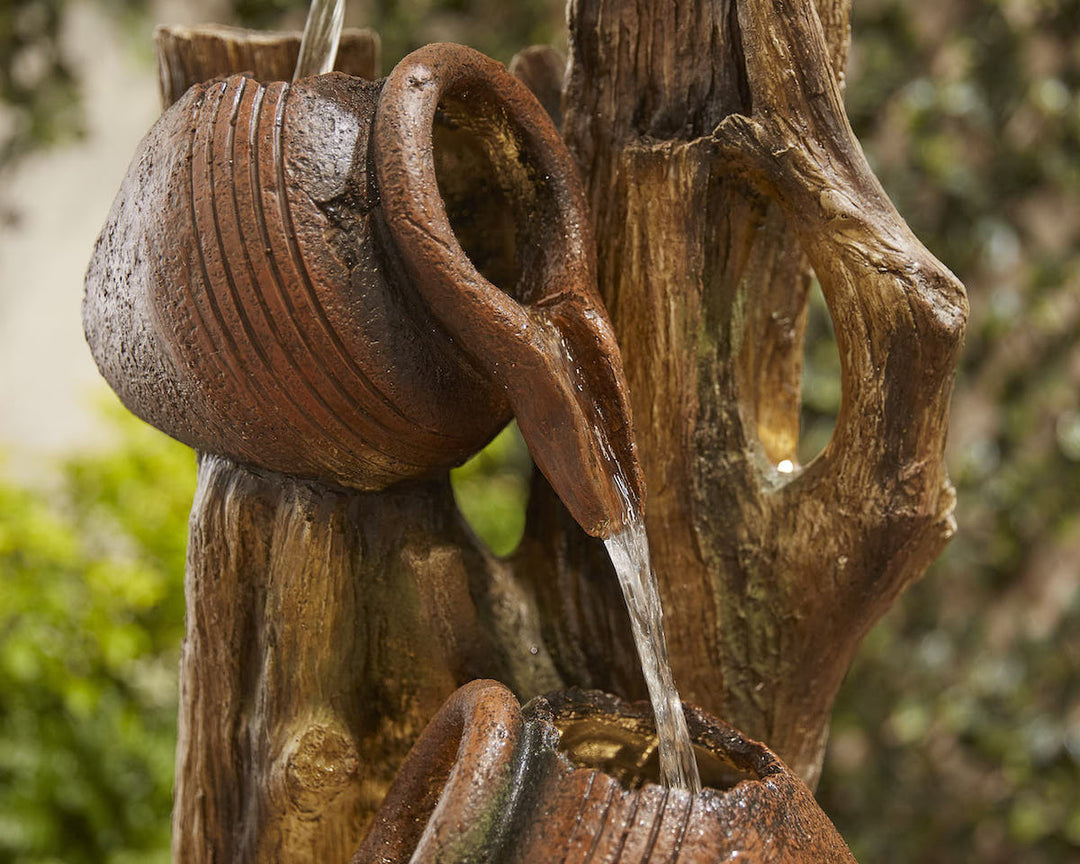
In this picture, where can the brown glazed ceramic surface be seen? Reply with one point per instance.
(490, 782)
(279, 281)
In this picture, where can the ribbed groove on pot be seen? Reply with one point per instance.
(225, 305)
(219, 362)
(279, 283)
(561, 812)
(267, 359)
(343, 423)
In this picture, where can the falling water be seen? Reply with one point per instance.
(629, 552)
(318, 47)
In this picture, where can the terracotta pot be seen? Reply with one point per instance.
(569, 778)
(360, 281)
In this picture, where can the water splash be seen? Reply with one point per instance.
(322, 33)
(629, 553)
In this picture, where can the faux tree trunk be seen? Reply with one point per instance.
(324, 629)
(720, 163)
(325, 626)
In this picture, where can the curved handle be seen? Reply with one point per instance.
(454, 783)
(546, 340)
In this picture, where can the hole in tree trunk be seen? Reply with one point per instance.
(821, 387)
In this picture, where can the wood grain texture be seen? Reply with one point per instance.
(717, 155)
(191, 55)
(324, 629)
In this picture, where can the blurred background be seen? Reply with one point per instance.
(957, 733)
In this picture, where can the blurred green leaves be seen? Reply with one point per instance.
(39, 95)
(91, 617)
(492, 489)
(497, 28)
(956, 742)
(820, 379)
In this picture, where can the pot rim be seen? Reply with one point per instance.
(403, 138)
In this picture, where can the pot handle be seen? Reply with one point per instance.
(454, 781)
(551, 346)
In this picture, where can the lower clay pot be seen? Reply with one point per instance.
(571, 777)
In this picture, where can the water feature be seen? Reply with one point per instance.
(629, 552)
(322, 32)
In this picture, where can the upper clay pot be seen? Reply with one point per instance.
(360, 281)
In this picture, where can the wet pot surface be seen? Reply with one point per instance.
(571, 778)
(361, 281)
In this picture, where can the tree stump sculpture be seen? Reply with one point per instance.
(326, 626)
(720, 161)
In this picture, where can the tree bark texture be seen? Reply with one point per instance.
(325, 626)
(190, 55)
(720, 161)
(324, 629)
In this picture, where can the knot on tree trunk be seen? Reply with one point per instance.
(319, 763)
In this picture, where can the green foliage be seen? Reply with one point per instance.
(820, 379)
(39, 93)
(492, 488)
(91, 617)
(957, 741)
(497, 28)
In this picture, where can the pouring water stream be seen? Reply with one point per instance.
(628, 549)
(322, 33)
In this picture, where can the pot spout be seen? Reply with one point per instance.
(482, 201)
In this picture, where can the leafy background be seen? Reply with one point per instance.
(957, 734)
